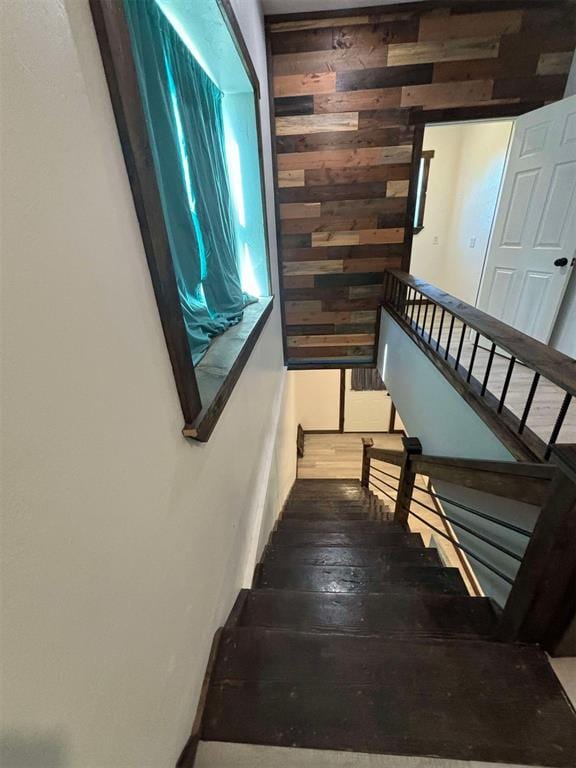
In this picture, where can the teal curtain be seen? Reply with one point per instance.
(183, 111)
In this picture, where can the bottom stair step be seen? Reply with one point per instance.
(454, 699)
(382, 578)
(222, 754)
(448, 615)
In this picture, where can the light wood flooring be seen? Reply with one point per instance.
(339, 456)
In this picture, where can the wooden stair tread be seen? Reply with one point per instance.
(371, 613)
(373, 526)
(336, 537)
(381, 578)
(318, 555)
(456, 699)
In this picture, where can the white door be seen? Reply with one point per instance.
(533, 238)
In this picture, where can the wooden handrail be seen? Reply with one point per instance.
(548, 362)
(386, 454)
(521, 481)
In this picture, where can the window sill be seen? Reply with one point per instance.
(220, 368)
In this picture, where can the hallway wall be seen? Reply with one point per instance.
(124, 544)
(464, 183)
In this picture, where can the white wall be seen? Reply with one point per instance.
(465, 176)
(429, 245)
(365, 411)
(124, 544)
(317, 398)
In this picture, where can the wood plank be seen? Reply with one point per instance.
(384, 77)
(312, 267)
(469, 25)
(548, 87)
(309, 84)
(366, 175)
(383, 118)
(326, 239)
(555, 63)
(338, 60)
(384, 137)
(299, 210)
(293, 105)
(298, 281)
(291, 178)
(367, 37)
(343, 340)
(445, 50)
(313, 318)
(341, 158)
(295, 241)
(354, 101)
(407, 578)
(368, 265)
(317, 23)
(352, 556)
(394, 235)
(346, 191)
(364, 354)
(398, 188)
(310, 124)
(447, 94)
(448, 615)
(374, 206)
(317, 39)
(330, 224)
(384, 691)
(391, 252)
(303, 306)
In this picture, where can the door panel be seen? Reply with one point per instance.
(535, 222)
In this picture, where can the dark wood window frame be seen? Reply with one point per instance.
(423, 176)
(203, 390)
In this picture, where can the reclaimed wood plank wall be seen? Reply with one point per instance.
(345, 92)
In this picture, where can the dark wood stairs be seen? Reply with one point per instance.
(356, 637)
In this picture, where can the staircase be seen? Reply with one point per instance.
(356, 638)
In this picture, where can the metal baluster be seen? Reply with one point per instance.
(528, 403)
(440, 329)
(488, 368)
(558, 424)
(432, 323)
(460, 345)
(418, 315)
(424, 321)
(449, 338)
(506, 383)
(413, 307)
(473, 356)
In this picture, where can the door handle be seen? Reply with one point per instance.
(561, 262)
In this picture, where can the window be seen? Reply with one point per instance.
(367, 380)
(186, 104)
(422, 188)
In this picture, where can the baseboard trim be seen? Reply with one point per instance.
(188, 754)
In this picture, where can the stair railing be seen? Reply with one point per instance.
(542, 600)
(445, 329)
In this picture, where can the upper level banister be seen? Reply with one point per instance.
(521, 481)
(548, 362)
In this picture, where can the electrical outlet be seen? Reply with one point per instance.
(435, 240)
(472, 242)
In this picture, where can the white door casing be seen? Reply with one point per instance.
(535, 223)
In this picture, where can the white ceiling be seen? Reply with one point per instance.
(301, 6)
